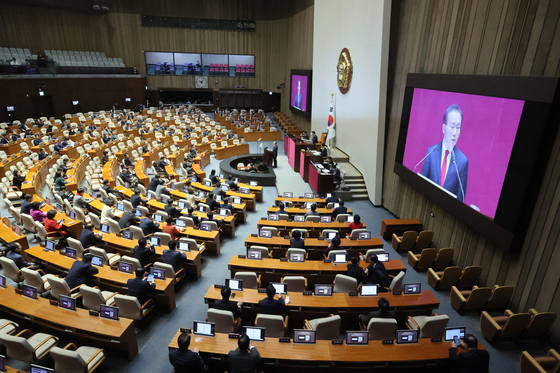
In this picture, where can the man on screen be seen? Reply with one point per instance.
(298, 100)
(444, 163)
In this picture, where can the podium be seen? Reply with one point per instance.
(267, 157)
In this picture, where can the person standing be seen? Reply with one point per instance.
(274, 154)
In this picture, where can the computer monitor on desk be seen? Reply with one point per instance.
(204, 328)
(233, 284)
(254, 333)
(304, 336)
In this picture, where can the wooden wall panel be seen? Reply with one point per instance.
(504, 37)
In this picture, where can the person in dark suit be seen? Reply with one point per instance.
(272, 306)
(12, 253)
(314, 138)
(149, 226)
(228, 305)
(108, 189)
(339, 210)
(191, 215)
(185, 360)
(376, 272)
(333, 198)
(472, 360)
(127, 219)
(245, 358)
(26, 204)
(135, 199)
(354, 269)
(142, 251)
(140, 288)
(227, 204)
(172, 256)
(281, 208)
(171, 210)
(296, 240)
(155, 182)
(274, 154)
(127, 162)
(298, 99)
(384, 312)
(445, 164)
(80, 272)
(89, 238)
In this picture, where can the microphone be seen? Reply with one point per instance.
(422, 160)
(458, 177)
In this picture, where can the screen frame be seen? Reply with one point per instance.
(296, 341)
(309, 75)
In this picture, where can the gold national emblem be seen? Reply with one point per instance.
(344, 69)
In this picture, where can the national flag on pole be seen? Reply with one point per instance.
(330, 124)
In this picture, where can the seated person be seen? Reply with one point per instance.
(334, 245)
(155, 182)
(148, 226)
(472, 360)
(376, 272)
(88, 238)
(108, 189)
(228, 305)
(13, 251)
(42, 154)
(80, 201)
(128, 218)
(272, 306)
(185, 360)
(251, 168)
(172, 256)
(354, 270)
(36, 212)
(139, 287)
(296, 240)
(105, 157)
(65, 194)
(135, 199)
(313, 211)
(142, 251)
(81, 272)
(339, 210)
(108, 211)
(228, 204)
(26, 204)
(18, 179)
(191, 215)
(171, 210)
(384, 312)
(214, 205)
(171, 228)
(281, 208)
(210, 217)
(357, 224)
(52, 225)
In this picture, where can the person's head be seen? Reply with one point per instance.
(469, 341)
(35, 205)
(88, 258)
(281, 205)
(354, 260)
(357, 219)
(105, 182)
(296, 235)
(89, 226)
(210, 215)
(226, 292)
(213, 172)
(170, 202)
(451, 127)
(170, 220)
(80, 191)
(28, 197)
(341, 203)
(274, 143)
(313, 206)
(172, 245)
(13, 246)
(136, 191)
(243, 342)
(157, 176)
(110, 203)
(312, 132)
(270, 291)
(51, 214)
(184, 341)
(191, 210)
(374, 259)
(142, 242)
(336, 241)
(140, 272)
(383, 304)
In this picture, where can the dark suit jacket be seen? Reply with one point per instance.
(432, 170)
(275, 150)
(244, 362)
(140, 289)
(148, 226)
(172, 211)
(272, 306)
(88, 238)
(377, 274)
(300, 244)
(154, 183)
(195, 218)
(173, 258)
(339, 210)
(143, 254)
(354, 270)
(25, 207)
(332, 199)
(135, 200)
(18, 259)
(79, 273)
(186, 361)
(127, 219)
(472, 361)
(228, 305)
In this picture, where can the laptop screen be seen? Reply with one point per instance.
(205, 227)
(265, 233)
(49, 245)
(204, 328)
(150, 195)
(253, 183)
(138, 213)
(163, 200)
(364, 235)
(331, 235)
(219, 198)
(225, 187)
(407, 336)
(273, 217)
(309, 195)
(184, 246)
(159, 274)
(126, 185)
(222, 176)
(288, 194)
(66, 302)
(296, 257)
(58, 208)
(366, 290)
(120, 206)
(180, 223)
(281, 288)
(40, 369)
(236, 285)
(350, 219)
(413, 288)
(207, 183)
(325, 219)
(72, 215)
(127, 234)
(155, 241)
(158, 218)
(2, 282)
(109, 312)
(47, 200)
(97, 261)
(254, 254)
(237, 200)
(357, 338)
(308, 205)
(340, 258)
(452, 332)
(244, 190)
(384, 257)
(201, 209)
(323, 290)
(193, 179)
(223, 212)
(328, 195)
(29, 291)
(255, 333)
(93, 195)
(104, 228)
(236, 180)
(71, 253)
(125, 267)
(181, 204)
(304, 336)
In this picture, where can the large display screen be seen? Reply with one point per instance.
(168, 63)
(300, 92)
(462, 143)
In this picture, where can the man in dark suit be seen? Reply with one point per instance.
(228, 305)
(376, 272)
(107, 188)
(185, 360)
(26, 204)
(171, 210)
(154, 183)
(135, 199)
(227, 204)
(274, 154)
(142, 251)
(12, 253)
(354, 269)
(89, 238)
(296, 240)
(191, 215)
(333, 198)
(314, 138)
(339, 210)
(281, 208)
(139, 287)
(245, 358)
(472, 360)
(172, 256)
(127, 219)
(272, 306)
(80, 272)
(149, 226)
(445, 164)
(384, 312)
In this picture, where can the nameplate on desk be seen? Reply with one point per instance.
(300, 196)
(115, 268)
(93, 313)
(284, 340)
(353, 238)
(280, 196)
(261, 290)
(218, 286)
(254, 235)
(53, 302)
(337, 341)
(436, 339)
(185, 330)
(327, 261)
(353, 294)
(241, 256)
(290, 220)
(307, 293)
(397, 292)
(321, 238)
(19, 291)
(388, 342)
(283, 259)
(264, 218)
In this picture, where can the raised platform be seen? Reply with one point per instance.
(229, 166)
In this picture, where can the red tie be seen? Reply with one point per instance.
(444, 167)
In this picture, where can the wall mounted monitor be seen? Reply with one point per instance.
(300, 92)
(155, 63)
(488, 176)
(75, 103)
(241, 65)
(188, 64)
(10, 108)
(215, 64)
(304, 336)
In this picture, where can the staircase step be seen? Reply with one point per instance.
(358, 197)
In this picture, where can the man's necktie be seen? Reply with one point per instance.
(444, 167)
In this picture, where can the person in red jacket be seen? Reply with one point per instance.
(357, 224)
(52, 225)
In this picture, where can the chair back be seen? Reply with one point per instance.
(408, 240)
(165, 238)
(313, 218)
(169, 271)
(137, 232)
(188, 221)
(273, 325)
(113, 226)
(477, 298)
(18, 348)
(356, 232)
(499, 299)
(67, 361)
(433, 326)
(282, 216)
(541, 364)
(326, 327)
(34, 279)
(345, 284)
(540, 323)
(100, 252)
(223, 320)
(95, 220)
(515, 325)
(469, 278)
(192, 242)
(273, 230)
(332, 253)
(342, 218)
(295, 283)
(295, 250)
(132, 261)
(262, 249)
(450, 277)
(129, 307)
(76, 245)
(11, 270)
(397, 283)
(444, 258)
(250, 279)
(28, 223)
(92, 298)
(424, 240)
(382, 329)
(372, 252)
(326, 232)
(58, 287)
(427, 258)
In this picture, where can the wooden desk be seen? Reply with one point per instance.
(398, 227)
(231, 150)
(74, 226)
(309, 225)
(301, 211)
(321, 183)
(264, 136)
(107, 278)
(141, 174)
(71, 152)
(11, 161)
(11, 148)
(202, 159)
(37, 175)
(314, 247)
(110, 172)
(239, 209)
(293, 149)
(316, 271)
(305, 159)
(7, 236)
(256, 190)
(300, 201)
(425, 356)
(77, 173)
(90, 330)
(249, 199)
(348, 307)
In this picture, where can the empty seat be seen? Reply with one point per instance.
(130, 308)
(250, 279)
(275, 325)
(325, 327)
(444, 279)
(224, 321)
(540, 323)
(469, 300)
(72, 359)
(469, 277)
(30, 350)
(424, 240)
(503, 327)
(382, 328)
(345, 284)
(422, 261)
(406, 242)
(541, 364)
(499, 299)
(428, 326)
(295, 283)
(444, 259)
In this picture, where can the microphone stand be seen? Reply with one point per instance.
(422, 160)
(458, 177)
